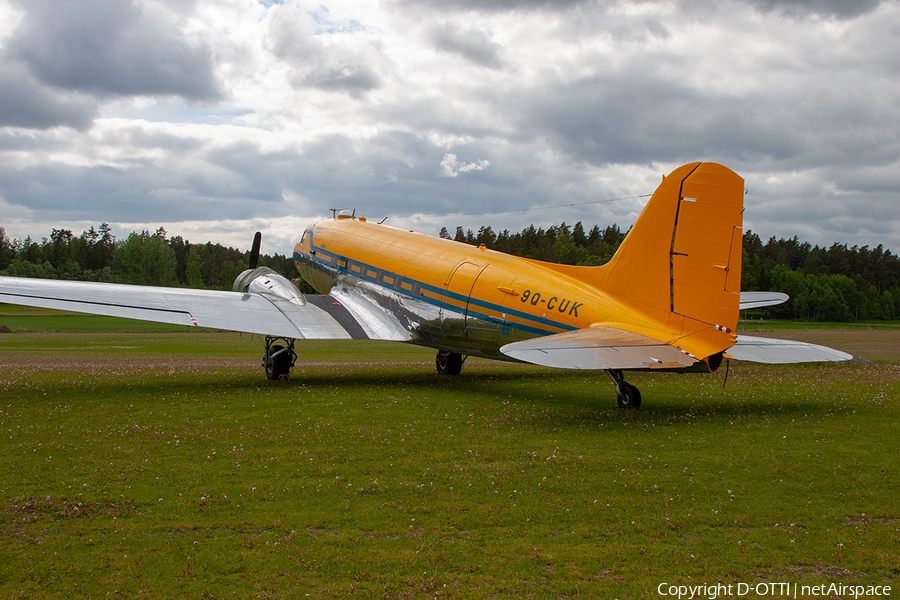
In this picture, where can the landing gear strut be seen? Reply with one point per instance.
(278, 360)
(627, 395)
(448, 363)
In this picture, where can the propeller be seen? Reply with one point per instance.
(254, 251)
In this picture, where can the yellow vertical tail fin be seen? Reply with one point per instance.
(680, 264)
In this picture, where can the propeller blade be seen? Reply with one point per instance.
(254, 251)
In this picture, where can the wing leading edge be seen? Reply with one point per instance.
(264, 309)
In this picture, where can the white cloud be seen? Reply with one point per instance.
(451, 167)
(109, 47)
(218, 115)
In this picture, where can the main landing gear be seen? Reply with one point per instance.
(627, 395)
(278, 359)
(448, 363)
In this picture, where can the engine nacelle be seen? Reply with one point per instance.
(267, 282)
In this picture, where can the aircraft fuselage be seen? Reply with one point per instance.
(445, 294)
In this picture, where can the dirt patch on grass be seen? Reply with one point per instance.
(17, 367)
(11, 361)
(29, 510)
(868, 520)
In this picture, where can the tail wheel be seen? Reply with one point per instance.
(278, 362)
(628, 395)
(448, 363)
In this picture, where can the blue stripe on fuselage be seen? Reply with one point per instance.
(435, 290)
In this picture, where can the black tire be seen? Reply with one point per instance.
(277, 366)
(448, 363)
(628, 396)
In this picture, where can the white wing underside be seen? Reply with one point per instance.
(264, 313)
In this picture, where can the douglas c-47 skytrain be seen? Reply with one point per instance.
(667, 301)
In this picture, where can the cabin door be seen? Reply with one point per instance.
(455, 304)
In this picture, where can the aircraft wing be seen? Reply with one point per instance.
(780, 352)
(377, 321)
(761, 299)
(598, 348)
(263, 310)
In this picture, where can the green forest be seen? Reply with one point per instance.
(141, 258)
(837, 283)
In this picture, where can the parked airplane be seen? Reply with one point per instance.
(667, 301)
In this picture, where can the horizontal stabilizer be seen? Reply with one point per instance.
(761, 299)
(780, 352)
(598, 348)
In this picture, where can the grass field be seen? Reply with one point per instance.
(161, 463)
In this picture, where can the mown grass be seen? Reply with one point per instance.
(165, 465)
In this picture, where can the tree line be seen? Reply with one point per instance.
(837, 283)
(141, 258)
(557, 244)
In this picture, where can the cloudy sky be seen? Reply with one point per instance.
(215, 118)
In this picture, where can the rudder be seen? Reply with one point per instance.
(706, 246)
